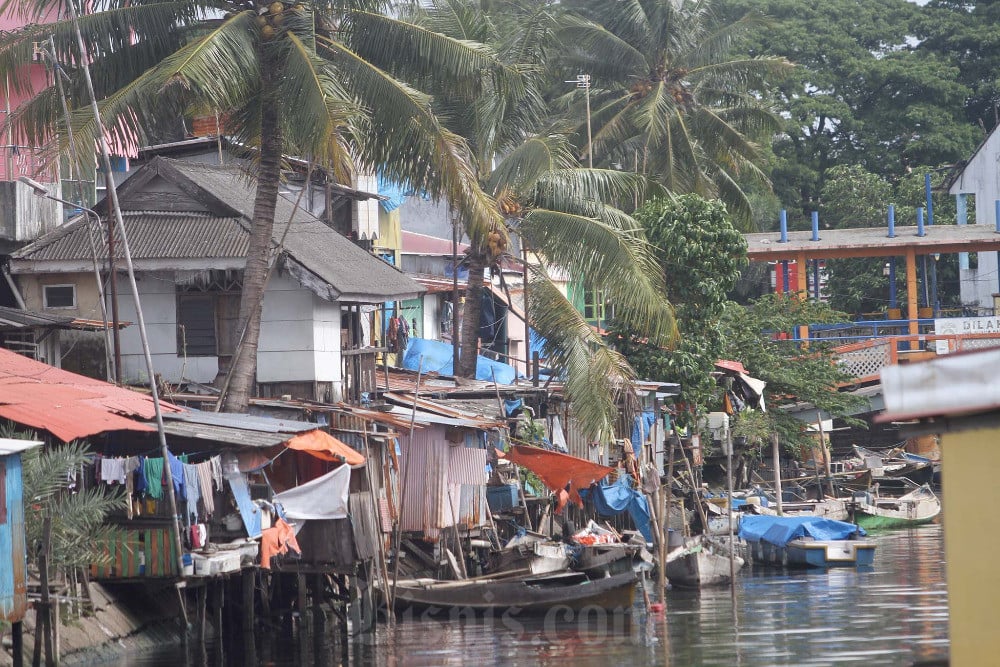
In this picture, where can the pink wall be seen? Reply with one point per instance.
(16, 158)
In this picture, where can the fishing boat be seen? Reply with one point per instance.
(916, 507)
(605, 560)
(521, 594)
(806, 541)
(700, 562)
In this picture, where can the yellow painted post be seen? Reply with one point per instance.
(969, 463)
(802, 288)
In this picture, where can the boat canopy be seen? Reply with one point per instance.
(780, 530)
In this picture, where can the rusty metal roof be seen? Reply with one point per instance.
(67, 405)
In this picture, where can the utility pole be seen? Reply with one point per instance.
(583, 81)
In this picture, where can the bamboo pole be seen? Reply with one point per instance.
(776, 457)
(382, 569)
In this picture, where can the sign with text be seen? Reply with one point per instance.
(963, 325)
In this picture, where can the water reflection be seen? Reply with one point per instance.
(892, 614)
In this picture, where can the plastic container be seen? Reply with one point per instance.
(188, 563)
(202, 566)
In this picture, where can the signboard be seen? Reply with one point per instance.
(963, 325)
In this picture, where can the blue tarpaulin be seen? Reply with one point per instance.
(437, 358)
(780, 530)
(613, 499)
(395, 192)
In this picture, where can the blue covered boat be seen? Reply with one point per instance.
(806, 541)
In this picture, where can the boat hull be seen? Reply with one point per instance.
(880, 522)
(535, 595)
(816, 553)
(701, 569)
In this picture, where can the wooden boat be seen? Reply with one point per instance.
(604, 560)
(917, 507)
(806, 541)
(534, 553)
(699, 562)
(523, 594)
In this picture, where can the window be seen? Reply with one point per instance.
(59, 296)
(208, 307)
(593, 309)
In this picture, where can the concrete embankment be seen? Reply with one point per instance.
(126, 618)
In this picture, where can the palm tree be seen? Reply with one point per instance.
(290, 78)
(668, 96)
(562, 211)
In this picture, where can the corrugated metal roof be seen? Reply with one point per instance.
(151, 235)
(15, 318)
(10, 446)
(67, 405)
(244, 422)
(353, 273)
(229, 435)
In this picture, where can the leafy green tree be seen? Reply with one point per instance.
(752, 336)
(701, 253)
(863, 92)
(326, 80)
(669, 95)
(968, 34)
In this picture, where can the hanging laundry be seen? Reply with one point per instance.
(277, 540)
(177, 475)
(398, 336)
(192, 490)
(153, 472)
(205, 487)
(113, 471)
(141, 483)
(131, 465)
(216, 463)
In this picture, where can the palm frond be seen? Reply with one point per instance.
(612, 252)
(596, 377)
(407, 140)
(535, 157)
(603, 53)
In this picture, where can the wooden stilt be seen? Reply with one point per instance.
(218, 600)
(355, 606)
(250, 649)
(17, 643)
(300, 580)
(317, 616)
(202, 616)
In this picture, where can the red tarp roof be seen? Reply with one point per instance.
(67, 405)
(557, 470)
(324, 446)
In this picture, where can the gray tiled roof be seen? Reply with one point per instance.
(353, 273)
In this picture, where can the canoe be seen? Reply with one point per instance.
(699, 563)
(526, 595)
(917, 507)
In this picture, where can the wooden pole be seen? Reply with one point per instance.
(729, 508)
(382, 570)
(402, 490)
(826, 458)
(776, 457)
(697, 493)
(458, 537)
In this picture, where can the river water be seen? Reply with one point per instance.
(895, 613)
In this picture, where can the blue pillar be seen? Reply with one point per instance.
(783, 222)
(784, 276)
(920, 221)
(892, 221)
(815, 225)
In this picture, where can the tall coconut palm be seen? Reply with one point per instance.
(290, 78)
(668, 95)
(564, 213)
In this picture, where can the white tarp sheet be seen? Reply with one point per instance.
(323, 498)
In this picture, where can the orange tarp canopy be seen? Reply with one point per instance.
(324, 446)
(557, 470)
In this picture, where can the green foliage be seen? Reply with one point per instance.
(791, 373)
(865, 92)
(669, 93)
(701, 254)
(77, 516)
